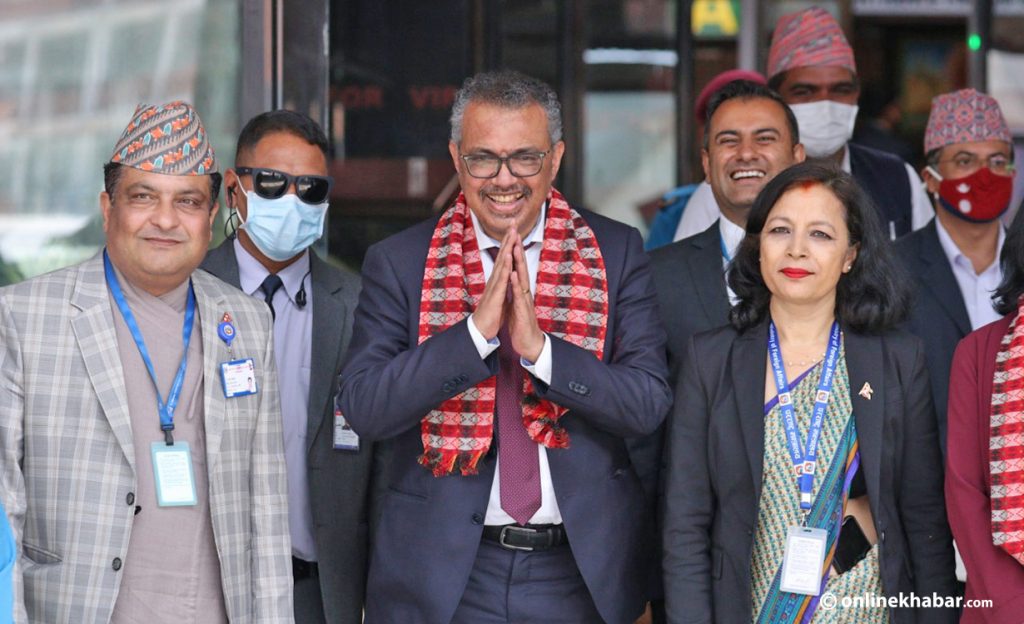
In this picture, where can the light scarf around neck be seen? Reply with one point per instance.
(1006, 442)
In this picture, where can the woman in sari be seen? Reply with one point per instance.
(985, 449)
(803, 466)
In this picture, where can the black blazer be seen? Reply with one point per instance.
(714, 470)
(344, 487)
(689, 279)
(938, 315)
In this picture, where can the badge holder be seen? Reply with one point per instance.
(238, 377)
(345, 439)
(172, 472)
(803, 560)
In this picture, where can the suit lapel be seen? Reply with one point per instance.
(221, 262)
(211, 306)
(329, 311)
(97, 341)
(938, 279)
(865, 365)
(708, 274)
(749, 359)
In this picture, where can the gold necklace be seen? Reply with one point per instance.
(802, 363)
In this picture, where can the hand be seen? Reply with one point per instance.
(527, 338)
(490, 312)
(646, 618)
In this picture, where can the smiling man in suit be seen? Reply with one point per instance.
(279, 190)
(751, 135)
(505, 385)
(145, 481)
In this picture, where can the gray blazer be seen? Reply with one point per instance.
(340, 482)
(67, 460)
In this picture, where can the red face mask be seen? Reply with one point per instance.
(981, 197)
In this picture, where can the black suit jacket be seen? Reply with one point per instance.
(938, 315)
(430, 527)
(714, 467)
(689, 279)
(340, 482)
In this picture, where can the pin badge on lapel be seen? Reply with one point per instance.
(866, 391)
(226, 330)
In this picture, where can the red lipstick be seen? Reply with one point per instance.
(795, 273)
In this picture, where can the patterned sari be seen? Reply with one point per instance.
(779, 508)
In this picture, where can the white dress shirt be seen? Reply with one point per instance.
(541, 369)
(731, 235)
(293, 345)
(975, 288)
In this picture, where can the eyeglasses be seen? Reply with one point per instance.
(997, 163)
(271, 184)
(521, 165)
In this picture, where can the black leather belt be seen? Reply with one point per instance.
(302, 569)
(528, 538)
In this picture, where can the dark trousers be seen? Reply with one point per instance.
(309, 604)
(516, 587)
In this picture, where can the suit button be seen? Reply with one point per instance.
(116, 564)
(130, 499)
(478, 518)
(447, 388)
(882, 536)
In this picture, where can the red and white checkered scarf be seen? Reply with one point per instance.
(571, 303)
(1006, 442)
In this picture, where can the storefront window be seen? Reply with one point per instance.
(71, 75)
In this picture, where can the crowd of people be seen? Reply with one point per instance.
(807, 398)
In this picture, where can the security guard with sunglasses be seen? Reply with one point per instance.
(278, 192)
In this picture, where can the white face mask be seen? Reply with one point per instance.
(825, 126)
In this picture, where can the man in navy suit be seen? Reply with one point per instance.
(504, 351)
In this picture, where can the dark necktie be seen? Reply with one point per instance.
(518, 456)
(269, 287)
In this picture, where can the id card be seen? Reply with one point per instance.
(172, 472)
(803, 560)
(344, 438)
(238, 378)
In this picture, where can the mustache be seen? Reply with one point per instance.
(158, 233)
(494, 189)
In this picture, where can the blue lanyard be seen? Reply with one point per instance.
(725, 250)
(166, 410)
(804, 462)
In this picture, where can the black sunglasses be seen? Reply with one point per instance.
(271, 184)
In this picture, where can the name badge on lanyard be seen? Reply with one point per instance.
(237, 377)
(345, 439)
(172, 468)
(806, 547)
(172, 462)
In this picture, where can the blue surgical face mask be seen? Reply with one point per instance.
(282, 228)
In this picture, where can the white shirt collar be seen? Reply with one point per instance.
(845, 164)
(251, 273)
(536, 234)
(731, 235)
(953, 253)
